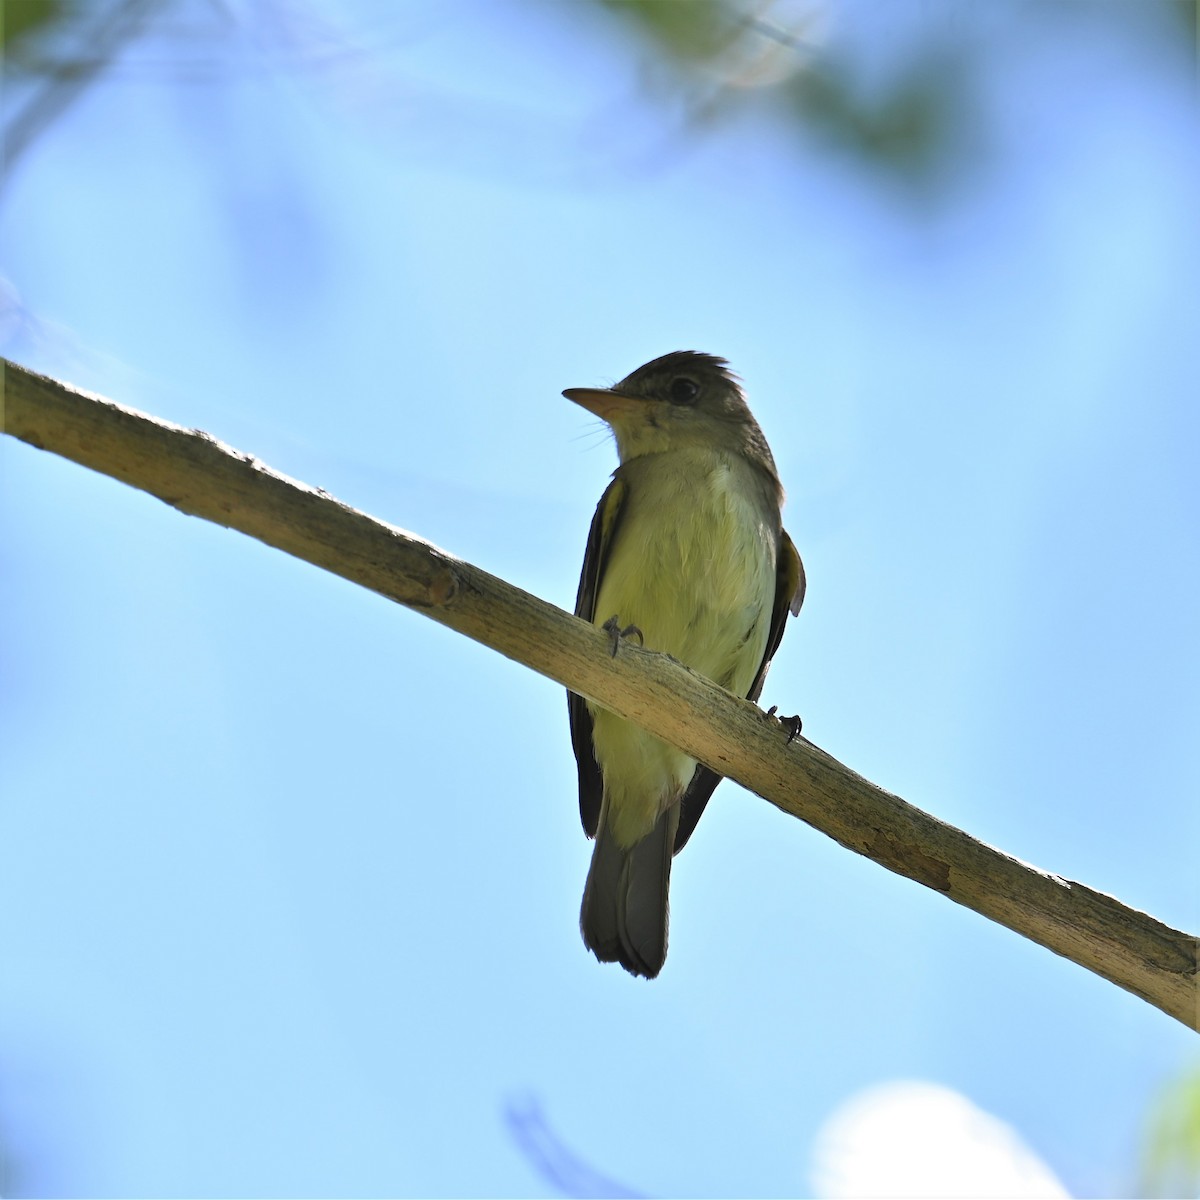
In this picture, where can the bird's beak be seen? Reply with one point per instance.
(604, 402)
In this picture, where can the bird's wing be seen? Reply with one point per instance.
(789, 595)
(599, 543)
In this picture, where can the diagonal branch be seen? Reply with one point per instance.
(198, 475)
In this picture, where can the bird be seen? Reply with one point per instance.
(686, 550)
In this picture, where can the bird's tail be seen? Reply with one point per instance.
(624, 914)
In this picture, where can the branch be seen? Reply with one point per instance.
(198, 475)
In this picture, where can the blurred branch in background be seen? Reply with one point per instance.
(559, 1166)
(85, 42)
(897, 90)
(911, 118)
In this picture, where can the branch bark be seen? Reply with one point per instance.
(199, 476)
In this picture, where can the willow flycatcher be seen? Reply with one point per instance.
(687, 547)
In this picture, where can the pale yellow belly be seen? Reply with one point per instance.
(694, 570)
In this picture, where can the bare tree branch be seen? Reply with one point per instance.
(198, 475)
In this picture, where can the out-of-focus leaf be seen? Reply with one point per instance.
(92, 37)
(697, 29)
(22, 20)
(1171, 1154)
(915, 128)
(1188, 12)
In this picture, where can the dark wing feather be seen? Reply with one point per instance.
(789, 595)
(599, 543)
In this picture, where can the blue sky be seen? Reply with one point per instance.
(291, 875)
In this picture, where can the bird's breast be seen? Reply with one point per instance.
(693, 563)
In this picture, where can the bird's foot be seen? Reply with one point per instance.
(615, 633)
(793, 725)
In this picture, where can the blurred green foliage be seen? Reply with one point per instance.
(891, 87)
(20, 20)
(1171, 1150)
(913, 120)
(919, 128)
(58, 47)
(696, 30)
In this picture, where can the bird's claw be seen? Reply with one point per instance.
(793, 725)
(615, 633)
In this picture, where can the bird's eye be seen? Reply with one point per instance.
(684, 390)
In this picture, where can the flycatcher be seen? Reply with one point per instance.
(687, 548)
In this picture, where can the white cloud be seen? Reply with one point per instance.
(911, 1138)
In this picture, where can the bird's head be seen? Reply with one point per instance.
(682, 400)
